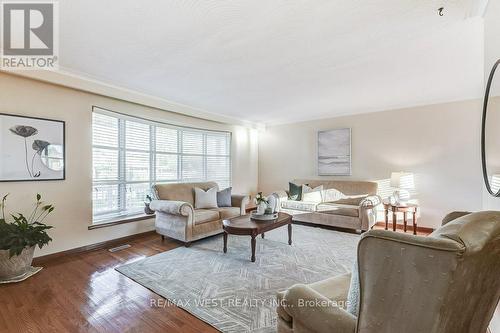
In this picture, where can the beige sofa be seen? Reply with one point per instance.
(177, 218)
(447, 282)
(345, 204)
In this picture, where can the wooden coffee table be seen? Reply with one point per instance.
(245, 226)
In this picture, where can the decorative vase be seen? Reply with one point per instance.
(261, 208)
(16, 266)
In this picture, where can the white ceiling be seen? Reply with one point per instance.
(276, 61)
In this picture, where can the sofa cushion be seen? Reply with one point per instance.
(294, 192)
(224, 197)
(305, 206)
(205, 199)
(205, 215)
(312, 194)
(331, 194)
(336, 209)
(228, 212)
(354, 201)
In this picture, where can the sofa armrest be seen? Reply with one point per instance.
(370, 201)
(367, 211)
(316, 313)
(172, 207)
(241, 201)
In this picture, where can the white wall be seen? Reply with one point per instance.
(72, 197)
(492, 54)
(492, 36)
(439, 143)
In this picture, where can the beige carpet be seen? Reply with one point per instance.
(233, 294)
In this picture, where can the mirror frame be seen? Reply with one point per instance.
(483, 131)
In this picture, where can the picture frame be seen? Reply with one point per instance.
(334, 152)
(32, 148)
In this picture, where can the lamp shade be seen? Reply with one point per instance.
(404, 180)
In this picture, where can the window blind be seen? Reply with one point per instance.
(132, 154)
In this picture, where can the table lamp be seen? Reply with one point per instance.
(402, 181)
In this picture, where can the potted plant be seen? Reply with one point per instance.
(261, 202)
(19, 237)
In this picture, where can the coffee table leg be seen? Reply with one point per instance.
(253, 248)
(225, 242)
(289, 234)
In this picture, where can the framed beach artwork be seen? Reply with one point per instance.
(334, 152)
(31, 148)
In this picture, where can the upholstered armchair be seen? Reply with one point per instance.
(177, 218)
(447, 282)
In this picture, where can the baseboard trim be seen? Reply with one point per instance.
(92, 247)
(399, 226)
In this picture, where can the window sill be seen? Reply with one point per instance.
(120, 220)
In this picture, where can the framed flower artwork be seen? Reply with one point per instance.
(31, 148)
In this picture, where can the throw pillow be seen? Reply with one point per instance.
(205, 199)
(224, 197)
(312, 194)
(353, 294)
(294, 192)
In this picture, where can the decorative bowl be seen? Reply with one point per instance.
(263, 217)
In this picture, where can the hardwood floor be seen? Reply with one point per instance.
(83, 293)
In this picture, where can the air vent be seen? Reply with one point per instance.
(119, 248)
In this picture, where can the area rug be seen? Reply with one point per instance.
(233, 294)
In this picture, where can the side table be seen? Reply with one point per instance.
(400, 208)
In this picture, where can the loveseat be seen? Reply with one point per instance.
(177, 218)
(345, 204)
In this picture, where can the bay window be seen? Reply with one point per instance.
(131, 154)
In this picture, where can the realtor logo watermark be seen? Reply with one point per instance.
(30, 36)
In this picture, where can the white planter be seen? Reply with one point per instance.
(261, 208)
(16, 266)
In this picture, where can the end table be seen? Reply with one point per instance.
(400, 208)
